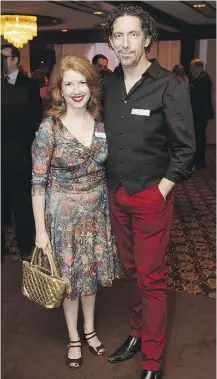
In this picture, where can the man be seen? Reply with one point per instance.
(101, 64)
(20, 118)
(201, 100)
(100, 61)
(11, 57)
(149, 126)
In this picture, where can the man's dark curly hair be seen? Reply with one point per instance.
(147, 22)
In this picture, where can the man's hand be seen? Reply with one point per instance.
(165, 186)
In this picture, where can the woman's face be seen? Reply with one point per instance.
(75, 89)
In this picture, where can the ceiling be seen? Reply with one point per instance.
(183, 11)
(171, 16)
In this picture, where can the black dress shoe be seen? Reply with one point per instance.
(126, 351)
(152, 374)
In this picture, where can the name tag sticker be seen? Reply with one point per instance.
(100, 134)
(141, 112)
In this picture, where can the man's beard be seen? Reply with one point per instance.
(128, 58)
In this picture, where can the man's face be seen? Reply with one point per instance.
(102, 64)
(128, 40)
(195, 70)
(10, 63)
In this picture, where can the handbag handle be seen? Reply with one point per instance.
(35, 256)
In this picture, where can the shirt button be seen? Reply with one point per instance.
(121, 132)
(120, 162)
(122, 117)
(120, 147)
(125, 102)
(120, 176)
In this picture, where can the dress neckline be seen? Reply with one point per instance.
(77, 140)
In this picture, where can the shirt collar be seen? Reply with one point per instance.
(13, 75)
(153, 69)
(195, 77)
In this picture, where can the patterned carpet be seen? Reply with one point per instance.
(191, 258)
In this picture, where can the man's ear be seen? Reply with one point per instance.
(16, 60)
(147, 41)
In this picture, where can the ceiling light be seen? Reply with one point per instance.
(64, 30)
(18, 29)
(98, 12)
(199, 5)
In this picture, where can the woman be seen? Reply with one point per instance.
(179, 71)
(71, 211)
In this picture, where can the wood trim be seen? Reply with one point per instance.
(96, 35)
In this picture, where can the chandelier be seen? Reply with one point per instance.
(18, 29)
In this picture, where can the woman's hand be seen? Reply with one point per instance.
(42, 242)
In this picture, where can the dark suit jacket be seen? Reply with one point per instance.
(17, 127)
(35, 102)
(201, 98)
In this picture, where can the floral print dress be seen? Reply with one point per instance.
(76, 206)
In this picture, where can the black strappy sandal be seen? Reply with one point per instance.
(99, 350)
(74, 363)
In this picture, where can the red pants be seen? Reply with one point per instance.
(141, 223)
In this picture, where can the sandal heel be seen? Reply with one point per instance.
(99, 350)
(74, 363)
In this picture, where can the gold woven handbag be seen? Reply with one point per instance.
(41, 285)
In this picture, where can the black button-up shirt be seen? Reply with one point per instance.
(149, 130)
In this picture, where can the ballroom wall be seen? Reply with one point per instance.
(167, 52)
(211, 69)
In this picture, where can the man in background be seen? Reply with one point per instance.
(100, 61)
(20, 118)
(201, 100)
(101, 64)
(12, 74)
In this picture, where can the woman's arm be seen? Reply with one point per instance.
(42, 150)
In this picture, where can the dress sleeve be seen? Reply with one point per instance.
(42, 150)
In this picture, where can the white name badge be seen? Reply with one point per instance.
(141, 112)
(100, 134)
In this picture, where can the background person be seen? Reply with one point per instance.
(201, 101)
(179, 71)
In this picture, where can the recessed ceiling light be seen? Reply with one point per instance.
(98, 12)
(64, 30)
(199, 5)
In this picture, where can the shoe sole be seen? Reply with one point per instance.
(123, 360)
